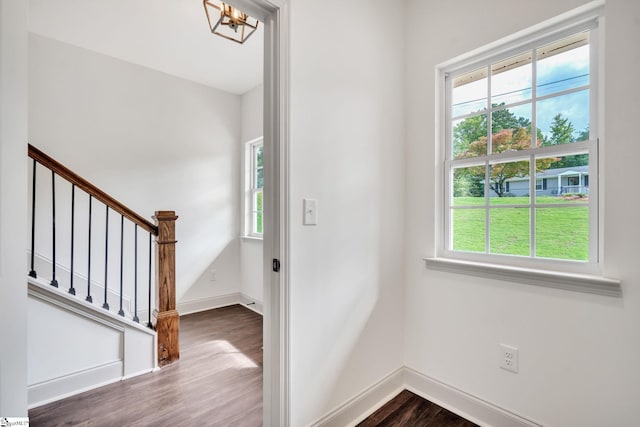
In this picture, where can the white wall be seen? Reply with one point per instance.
(251, 249)
(346, 151)
(252, 108)
(13, 202)
(578, 352)
(153, 141)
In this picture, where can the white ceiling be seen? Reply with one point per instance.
(171, 36)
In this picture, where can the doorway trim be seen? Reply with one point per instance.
(274, 14)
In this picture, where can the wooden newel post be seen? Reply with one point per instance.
(167, 318)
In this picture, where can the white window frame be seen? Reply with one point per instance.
(251, 189)
(567, 274)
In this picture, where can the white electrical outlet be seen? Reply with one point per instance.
(509, 358)
(214, 275)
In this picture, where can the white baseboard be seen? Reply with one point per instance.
(71, 384)
(365, 403)
(251, 303)
(464, 404)
(195, 306)
(457, 401)
(143, 372)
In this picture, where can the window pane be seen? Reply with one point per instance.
(563, 233)
(470, 137)
(509, 231)
(257, 222)
(257, 212)
(511, 129)
(509, 183)
(468, 230)
(469, 93)
(468, 186)
(259, 152)
(563, 119)
(567, 179)
(563, 65)
(260, 178)
(511, 80)
(259, 201)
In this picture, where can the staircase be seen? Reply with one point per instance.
(101, 304)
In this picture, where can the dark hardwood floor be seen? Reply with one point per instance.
(216, 382)
(408, 409)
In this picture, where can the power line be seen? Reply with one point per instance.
(521, 90)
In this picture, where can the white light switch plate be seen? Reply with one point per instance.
(310, 207)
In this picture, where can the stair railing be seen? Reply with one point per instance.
(164, 318)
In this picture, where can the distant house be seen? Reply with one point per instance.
(552, 182)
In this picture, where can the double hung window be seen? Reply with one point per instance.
(521, 151)
(254, 206)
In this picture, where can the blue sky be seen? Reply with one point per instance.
(555, 74)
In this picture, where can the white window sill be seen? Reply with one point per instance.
(251, 239)
(553, 279)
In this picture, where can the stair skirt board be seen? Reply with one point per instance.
(43, 268)
(457, 401)
(75, 346)
(39, 288)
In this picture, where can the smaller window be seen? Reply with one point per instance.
(541, 184)
(255, 181)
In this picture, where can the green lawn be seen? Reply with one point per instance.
(561, 233)
(259, 213)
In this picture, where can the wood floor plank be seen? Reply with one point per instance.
(388, 409)
(409, 409)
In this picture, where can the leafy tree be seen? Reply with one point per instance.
(505, 119)
(507, 139)
(561, 131)
(499, 173)
(509, 132)
(474, 128)
(584, 134)
(570, 161)
(467, 183)
(466, 132)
